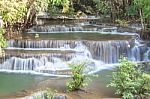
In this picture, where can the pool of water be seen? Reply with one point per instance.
(11, 83)
(14, 83)
(99, 84)
(80, 36)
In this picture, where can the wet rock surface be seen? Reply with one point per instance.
(42, 95)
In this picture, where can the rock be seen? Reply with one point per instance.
(60, 97)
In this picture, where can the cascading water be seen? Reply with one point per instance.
(51, 56)
(63, 28)
(78, 27)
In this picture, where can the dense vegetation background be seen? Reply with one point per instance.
(23, 11)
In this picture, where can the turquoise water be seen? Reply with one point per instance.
(99, 84)
(79, 36)
(11, 83)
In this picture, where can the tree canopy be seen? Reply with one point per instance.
(22, 10)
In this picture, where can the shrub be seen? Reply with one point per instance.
(130, 81)
(50, 94)
(123, 23)
(79, 78)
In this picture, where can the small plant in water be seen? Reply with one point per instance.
(36, 36)
(80, 79)
(130, 81)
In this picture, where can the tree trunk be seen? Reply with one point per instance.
(142, 20)
(112, 11)
(30, 14)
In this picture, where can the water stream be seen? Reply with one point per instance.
(54, 55)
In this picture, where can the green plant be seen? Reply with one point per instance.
(13, 11)
(123, 23)
(64, 3)
(144, 90)
(102, 6)
(130, 81)
(50, 94)
(2, 39)
(80, 79)
(36, 36)
(143, 7)
(2, 42)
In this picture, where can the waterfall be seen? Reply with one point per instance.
(52, 54)
(39, 43)
(147, 55)
(62, 28)
(55, 55)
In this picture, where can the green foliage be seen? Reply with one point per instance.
(13, 11)
(36, 36)
(131, 10)
(54, 11)
(2, 39)
(50, 94)
(145, 88)
(102, 6)
(56, 2)
(60, 7)
(70, 12)
(41, 5)
(64, 3)
(139, 9)
(79, 78)
(145, 6)
(130, 81)
(122, 22)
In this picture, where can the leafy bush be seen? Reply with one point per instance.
(102, 6)
(123, 23)
(13, 11)
(130, 81)
(50, 94)
(79, 78)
